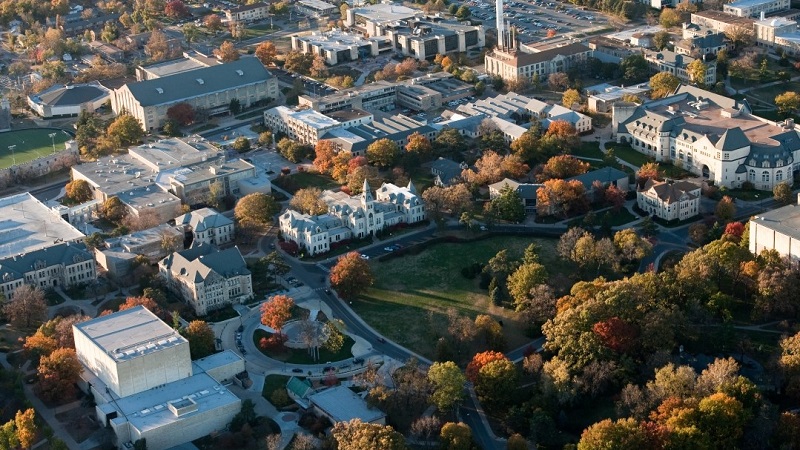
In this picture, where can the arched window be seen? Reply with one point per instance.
(752, 175)
(765, 176)
(779, 176)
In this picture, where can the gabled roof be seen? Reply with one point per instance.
(446, 169)
(203, 219)
(66, 253)
(205, 261)
(222, 77)
(671, 192)
(604, 175)
(300, 388)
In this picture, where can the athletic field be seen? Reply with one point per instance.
(29, 144)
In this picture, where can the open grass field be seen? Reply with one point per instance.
(29, 145)
(421, 288)
(301, 180)
(588, 150)
(626, 153)
(768, 93)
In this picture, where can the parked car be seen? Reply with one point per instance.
(363, 256)
(388, 249)
(297, 370)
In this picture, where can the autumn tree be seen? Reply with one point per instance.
(453, 199)
(157, 46)
(570, 98)
(492, 167)
(496, 382)
(213, 22)
(226, 52)
(176, 9)
(561, 197)
(783, 193)
(308, 201)
(419, 146)
(740, 36)
(480, 360)
(630, 246)
(79, 191)
(624, 434)
(563, 167)
(27, 308)
(294, 151)
(335, 331)
(558, 81)
(25, 426)
(383, 152)
(357, 435)
(648, 171)
(325, 151)
(276, 311)
(58, 372)
(524, 279)
(266, 52)
(661, 40)
(356, 177)
(448, 142)
(141, 300)
(456, 436)
(663, 84)
(125, 130)
(448, 384)
(788, 102)
(726, 209)
(669, 18)
(351, 275)
(257, 208)
(697, 72)
(200, 337)
(182, 113)
(53, 334)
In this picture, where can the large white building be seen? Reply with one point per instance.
(337, 46)
(711, 135)
(208, 278)
(207, 227)
(678, 65)
(69, 100)
(308, 126)
(141, 377)
(352, 217)
(753, 8)
(27, 225)
(209, 89)
(778, 230)
(670, 200)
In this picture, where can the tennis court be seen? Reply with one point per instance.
(29, 144)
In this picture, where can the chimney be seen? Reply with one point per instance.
(762, 17)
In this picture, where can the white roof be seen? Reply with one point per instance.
(26, 225)
(343, 405)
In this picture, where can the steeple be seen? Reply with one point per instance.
(366, 193)
(411, 188)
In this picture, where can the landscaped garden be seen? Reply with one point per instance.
(302, 356)
(421, 288)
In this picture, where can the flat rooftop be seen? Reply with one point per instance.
(174, 152)
(130, 333)
(173, 67)
(608, 92)
(316, 4)
(724, 18)
(314, 119)
(335, 40)
(216, 360)
(385, 12)
(747, 3)
(26, 224)
(343, 405)
(785, 220)
(150, 409)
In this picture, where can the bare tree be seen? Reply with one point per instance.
(273, 441)
(426, 427)
(27, 307)
(304, 441)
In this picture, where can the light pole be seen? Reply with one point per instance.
(53, 141)
(13, 157)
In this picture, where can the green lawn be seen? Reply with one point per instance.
(627, 153)
(589, 150)
(769, 93)
(673, 171)
(301, 356)
(259, 30)
(420, 288)
(748, 194)
(29, 144)
(300, 180)
(274, 383)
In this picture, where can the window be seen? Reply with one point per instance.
(765, 176)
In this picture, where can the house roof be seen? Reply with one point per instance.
(67, 253)
(203, 219)
(300, 388)
(198, 263)
(343, 405)
(605, 174)
(671, 191)
(446, 169)
(222, 77)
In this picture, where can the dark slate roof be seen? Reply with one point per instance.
(606, 174)
(446, 169)
(198, 262)
(15, 267)
(732, 139)
(70, 95)
(671, 192)
(217, 78)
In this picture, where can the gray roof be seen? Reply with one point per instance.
(197, 263)
(222, 77)
(671, 192)
(732, 139)
(604, 175)
(702, 42)
(70, 95)
(203, 219)
(446, 169)
(67, 253)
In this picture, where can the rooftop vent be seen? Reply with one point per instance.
(200, 81)
(239, 72)
(159, 90)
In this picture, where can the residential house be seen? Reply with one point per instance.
(526, 191)
(252, 12)
(701, 46)
(677, 64)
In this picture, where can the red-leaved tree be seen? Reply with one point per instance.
(616, 334)
(480, 360)
(276, 312)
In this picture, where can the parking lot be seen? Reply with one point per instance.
(534, 18)
(310, 86)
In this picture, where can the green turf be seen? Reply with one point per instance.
(588, 150)
(420, 288)
(626, 153)
(30, 144)
(301, 180)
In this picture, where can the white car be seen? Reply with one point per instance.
(363, 256)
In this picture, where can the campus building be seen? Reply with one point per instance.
(397, 129)
(701, 46)
(59, 266)
(352, 217)
(315, 8)
(754, 8)
(777, 230)
(337, 46)
(210, 89)
(308, 126)
(711, 135)
(515, 65)
(140, 375)
(720, 22)
(678, 64)
(68, 100)
(412, 33)
(248, 13)
(669, 200)
(602, 96)
(207, 227)
(378, 95)
(767, 31)
(27, 225)
(208, 278)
